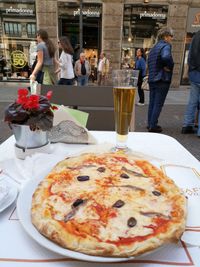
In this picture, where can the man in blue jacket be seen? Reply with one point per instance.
(160, 66)
(194, 76)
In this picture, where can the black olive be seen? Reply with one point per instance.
(156, 193)
(124, 175)
(119, 203)
(83, 178)
(78, 202)
(132, 222)
(101, 169)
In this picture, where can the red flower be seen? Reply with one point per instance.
(22, 96)
(22, 92)
(32, 102)
(49, 94)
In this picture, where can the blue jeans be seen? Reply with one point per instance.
(83, 80)
(193, 106)
(158, 93)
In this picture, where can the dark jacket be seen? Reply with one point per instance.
(160, 62)
(194, 59)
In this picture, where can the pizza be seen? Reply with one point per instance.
(109, 204)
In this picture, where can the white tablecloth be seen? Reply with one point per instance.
(17, 248)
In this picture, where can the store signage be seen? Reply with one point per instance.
(153, 15)
(21, 11)
(87, 13)
(193, 23)
(18, 59)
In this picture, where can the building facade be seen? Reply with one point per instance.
(117, 27)
(17, 38)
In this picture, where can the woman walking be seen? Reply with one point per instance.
(44, 71)
(140, 64)
(66, 62)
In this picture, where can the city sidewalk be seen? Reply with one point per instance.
(171, 117)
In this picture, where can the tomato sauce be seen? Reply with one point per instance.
(122, 159)
(104, 213)
(160, 227)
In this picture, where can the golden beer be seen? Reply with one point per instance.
(124, 98)
(124, 92)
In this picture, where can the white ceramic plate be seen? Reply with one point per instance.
(10, 197)
(23, 211)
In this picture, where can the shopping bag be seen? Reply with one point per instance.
(145, 84)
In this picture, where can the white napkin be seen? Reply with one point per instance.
(33, 167)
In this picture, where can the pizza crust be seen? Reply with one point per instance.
(98, 236)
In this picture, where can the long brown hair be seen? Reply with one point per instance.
(45, 38)
(66, 45)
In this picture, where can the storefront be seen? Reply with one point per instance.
(17, 41)
(193, 25)
(140, 26)
(69, 15)
(116, 27)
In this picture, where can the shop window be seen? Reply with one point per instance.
(140, 26)
(13, 29)
(69, 15)
(31, 30)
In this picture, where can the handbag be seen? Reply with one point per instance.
(40, 77)
(145, 84)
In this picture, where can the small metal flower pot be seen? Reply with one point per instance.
(25, 138)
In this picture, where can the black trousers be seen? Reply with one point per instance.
(140, 92)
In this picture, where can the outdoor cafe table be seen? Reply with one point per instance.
(17, 248)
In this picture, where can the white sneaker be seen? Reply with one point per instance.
(140, 104)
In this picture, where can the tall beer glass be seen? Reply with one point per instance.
(124, 92)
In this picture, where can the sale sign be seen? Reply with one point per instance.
(18, 59)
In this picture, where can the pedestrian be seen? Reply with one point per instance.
(192, 110)
(140, 64)
(103, 69)
(160, 68)
(82, 70)
(46, 62)
(65, 62)
(2, 65)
